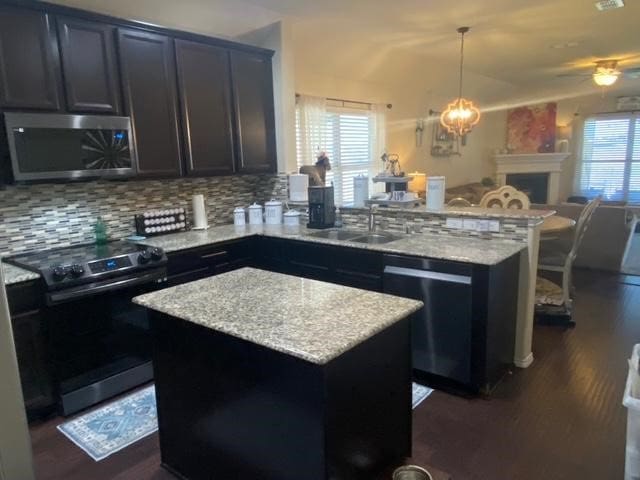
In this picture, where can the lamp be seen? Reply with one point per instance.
(606, 73)
(461, 115)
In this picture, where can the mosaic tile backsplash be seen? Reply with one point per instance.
(35, 217)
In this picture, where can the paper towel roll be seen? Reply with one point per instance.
(360, 190)
(199, 213)
(298, 187)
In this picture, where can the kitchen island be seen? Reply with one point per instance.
(271, 376)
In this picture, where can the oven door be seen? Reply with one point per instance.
(52, 146)
(100, 342)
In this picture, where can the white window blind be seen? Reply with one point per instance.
(611, 158)
(349, 140)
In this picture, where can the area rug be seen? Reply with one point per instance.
(114, 426)
(420, 392)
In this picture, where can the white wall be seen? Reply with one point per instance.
(413, 87)
(15, 444)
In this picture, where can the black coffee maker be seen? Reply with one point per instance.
(322, 211)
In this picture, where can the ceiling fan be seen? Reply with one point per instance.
(606, 73)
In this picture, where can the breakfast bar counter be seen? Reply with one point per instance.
(271, 376)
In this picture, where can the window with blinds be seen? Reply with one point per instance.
(611, 158)
(348, 144)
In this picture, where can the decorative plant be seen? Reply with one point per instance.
(488, 182)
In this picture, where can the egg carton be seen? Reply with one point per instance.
(158, 222)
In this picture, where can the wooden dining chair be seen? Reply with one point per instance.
(459, 202)
(505, 197)
(554, 257)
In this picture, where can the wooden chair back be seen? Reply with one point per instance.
(505, 197)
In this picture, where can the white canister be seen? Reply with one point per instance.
(273, 212)
(255, 214)
(360, 190)
(292, 218)
(435, 193)
(239, 216)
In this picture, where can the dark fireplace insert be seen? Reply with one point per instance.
(535, 185)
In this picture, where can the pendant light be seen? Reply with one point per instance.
(461, 115)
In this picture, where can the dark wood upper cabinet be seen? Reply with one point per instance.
(91, 77)
(29, 60)
(253, 101)
(147, 65)
(204, 88)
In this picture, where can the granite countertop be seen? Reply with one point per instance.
(308, 319)
(467, 212)
(13, 274)
(444, 247)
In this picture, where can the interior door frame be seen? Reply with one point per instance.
(16, 459)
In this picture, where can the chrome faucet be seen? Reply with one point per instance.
(372, 217)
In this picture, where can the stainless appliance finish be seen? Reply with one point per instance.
(441, 330)
(98, 340)
(46, 146)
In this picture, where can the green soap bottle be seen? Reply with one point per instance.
(100, 229)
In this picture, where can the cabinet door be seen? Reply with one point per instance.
(148, 79)
(89, 63)
(204, 87)
(29, 61)
(30, 351)
(253, 102)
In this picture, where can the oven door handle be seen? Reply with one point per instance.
(98, 288)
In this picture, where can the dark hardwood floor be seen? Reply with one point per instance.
(562, 418)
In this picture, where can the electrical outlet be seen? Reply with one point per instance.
(454, 223)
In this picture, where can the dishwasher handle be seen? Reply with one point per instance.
(427, 274)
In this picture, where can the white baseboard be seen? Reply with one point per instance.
(524, 362)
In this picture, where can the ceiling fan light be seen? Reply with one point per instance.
(606, 79)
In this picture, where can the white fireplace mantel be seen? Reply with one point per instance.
(550, 163)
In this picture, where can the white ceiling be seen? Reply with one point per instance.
(510, 41)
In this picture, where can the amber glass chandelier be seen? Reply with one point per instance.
(461, 115)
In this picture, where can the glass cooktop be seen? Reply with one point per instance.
(45, 259)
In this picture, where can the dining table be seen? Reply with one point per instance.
(556, 224)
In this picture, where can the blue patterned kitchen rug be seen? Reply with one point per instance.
(114, 426)
(420, 392)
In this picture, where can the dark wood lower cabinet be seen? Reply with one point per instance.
(232, 409)
(29, 333)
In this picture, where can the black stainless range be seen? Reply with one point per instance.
(98, 341)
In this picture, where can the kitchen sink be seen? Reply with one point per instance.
(335, 234)
(376, 238)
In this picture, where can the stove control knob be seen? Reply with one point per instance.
(144, 257)
(59, 272)
(77, 270)
(156, 253)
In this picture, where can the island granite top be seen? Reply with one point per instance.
(308, 319)
(443, 247)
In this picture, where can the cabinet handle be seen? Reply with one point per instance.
(372, 276)
(214, 254)
(309, 265)
(428, 274)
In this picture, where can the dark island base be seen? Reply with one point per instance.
(229, 409)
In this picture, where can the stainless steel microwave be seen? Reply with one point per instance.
(45, 146)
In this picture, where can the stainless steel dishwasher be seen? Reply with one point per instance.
(442, 329)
